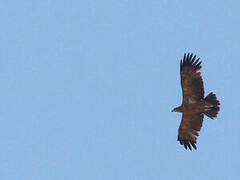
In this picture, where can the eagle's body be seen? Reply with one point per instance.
(194, 105)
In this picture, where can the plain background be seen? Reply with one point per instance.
(87, 89)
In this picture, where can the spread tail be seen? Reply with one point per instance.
(214, 105)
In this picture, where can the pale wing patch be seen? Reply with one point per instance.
(191, 101)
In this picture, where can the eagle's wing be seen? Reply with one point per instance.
(188, 130)
(191, 80)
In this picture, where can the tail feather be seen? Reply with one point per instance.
(214, 105)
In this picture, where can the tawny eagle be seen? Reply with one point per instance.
(194, 105)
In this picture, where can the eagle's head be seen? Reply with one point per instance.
(177, 109)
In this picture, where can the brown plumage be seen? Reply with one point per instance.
(194, 105)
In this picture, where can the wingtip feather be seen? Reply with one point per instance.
(190, 60)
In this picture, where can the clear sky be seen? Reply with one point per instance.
(87, 89)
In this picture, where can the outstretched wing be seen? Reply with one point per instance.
(191, 80)
(189, 130)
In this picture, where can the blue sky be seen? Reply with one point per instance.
(87, 89)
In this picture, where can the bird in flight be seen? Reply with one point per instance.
(194, 105)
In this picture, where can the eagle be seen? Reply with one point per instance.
(194, 104)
